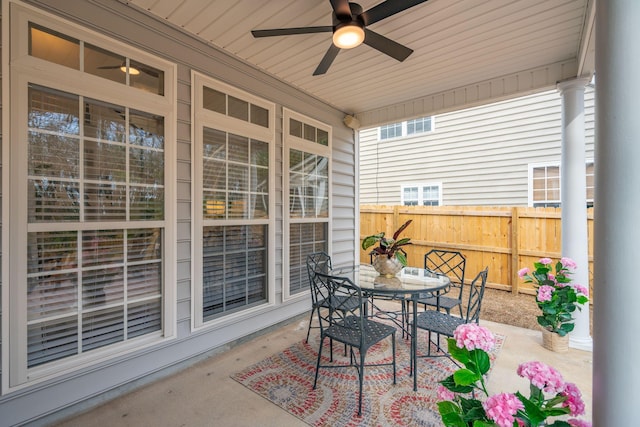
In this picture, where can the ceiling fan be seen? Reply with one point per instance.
(350, 30)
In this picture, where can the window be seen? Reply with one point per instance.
(422, 195)
(544, 185)
(391, 131)
(410, 127)
(234, 187)
(90, 222)
(420, 125)
(307, 160)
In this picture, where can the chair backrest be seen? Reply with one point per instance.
(346, 307)
(449, 263)
(317, 262)
(476, 292)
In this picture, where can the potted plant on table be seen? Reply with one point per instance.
(556, 298)
(388, 256)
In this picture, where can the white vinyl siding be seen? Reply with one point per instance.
(91, 150)
(307, 189)
(481, 155)
(235, 136)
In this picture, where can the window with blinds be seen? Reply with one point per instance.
(234, 183)
(308, 157)
(89, 186)
(95, 164)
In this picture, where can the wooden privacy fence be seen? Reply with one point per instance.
(504, 238)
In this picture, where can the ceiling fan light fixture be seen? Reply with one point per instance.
(348, 35)
(132, 71)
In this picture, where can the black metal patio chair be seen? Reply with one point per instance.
(347, 323)
(442, 323)
(451, 264)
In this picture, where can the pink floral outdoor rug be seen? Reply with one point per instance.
(286, 379)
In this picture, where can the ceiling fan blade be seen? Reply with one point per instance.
(386, 9)
(385, 45)
(290, 31)
(109, 67)
(327, 60)
(341, 7)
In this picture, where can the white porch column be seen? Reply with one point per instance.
(575, 238)
(616, 374)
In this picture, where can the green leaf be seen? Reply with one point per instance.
(447, 407)
(451, 385)
(482, 423)
(452, 420)
(460, 354)
(535, 415)
(400, 256)
(465, 377)
(371, 240)
(482, 361)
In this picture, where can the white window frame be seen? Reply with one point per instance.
(26, 69)
(293, 142)
(206, 118)
(404, 132)
(532, 166)
(420, 187)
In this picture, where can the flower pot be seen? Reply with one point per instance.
(387, 267)
(554, 342)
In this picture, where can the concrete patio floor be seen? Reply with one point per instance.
(205, 395)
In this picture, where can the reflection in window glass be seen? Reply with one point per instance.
(238, 108)
(237, 185)
(295, 128)
(259, 116)
(304, 239)
(214, 100)
(54, 47)
(102, 63)
(60, 49)
(145, 77)
(308, 185)
(234, 268)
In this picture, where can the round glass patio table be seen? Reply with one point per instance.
(410, 284)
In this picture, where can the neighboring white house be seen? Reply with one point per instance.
(506, 153)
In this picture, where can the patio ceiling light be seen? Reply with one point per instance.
(348, 35)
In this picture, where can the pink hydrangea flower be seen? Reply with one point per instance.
(574, 399)
(551, 277)
(542, 376)
(502, 407)
(578, 423)
(581, 289)
(523, 272)
(545, 261)
(544, 293)
(445, 394)
(568, 263)
(472, 336)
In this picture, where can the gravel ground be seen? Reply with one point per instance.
(517, 310)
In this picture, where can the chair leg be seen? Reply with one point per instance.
(361, 378)
(393, 348)
(309, 328)
(315, 381)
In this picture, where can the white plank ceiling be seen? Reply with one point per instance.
(458, 44)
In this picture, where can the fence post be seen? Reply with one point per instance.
(396, 218)
(515, 255)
